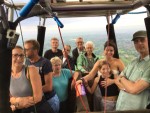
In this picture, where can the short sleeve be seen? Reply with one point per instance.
(68, 73)
(47, 67)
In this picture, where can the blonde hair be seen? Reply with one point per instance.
(55, 60)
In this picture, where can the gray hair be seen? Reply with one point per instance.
(79, 38)
(89, 43)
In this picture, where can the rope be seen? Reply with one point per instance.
(71, 71)
(108, 30)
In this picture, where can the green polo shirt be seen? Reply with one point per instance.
(137, 70)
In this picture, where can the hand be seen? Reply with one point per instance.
(25, 102)
(107, 82)
(117, 79)
(13, 108)
(78, 82)
(86, 72)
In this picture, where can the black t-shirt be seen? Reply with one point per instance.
(112, 90)
(44, 66)
(50, 54)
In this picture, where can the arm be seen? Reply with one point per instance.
(24, 102)
(75, 76)
(80, 63)
(92, 89)
(48, 82)
(21, 102)
(117, 82)
(35, 82)
(92, 72)
(107, 82)
(47, 71)
(121, 65)
(132, 87)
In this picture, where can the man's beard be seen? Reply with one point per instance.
(30, 56)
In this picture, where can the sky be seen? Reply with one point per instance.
(125, 23)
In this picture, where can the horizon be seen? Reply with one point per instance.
(92, 28)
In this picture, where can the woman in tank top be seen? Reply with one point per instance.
(116, 65)
(112, 90)
(25, 86)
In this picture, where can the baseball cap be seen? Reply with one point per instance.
(139, 34)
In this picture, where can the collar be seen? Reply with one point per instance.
(145, 58)
(80, 51)
(93, 55)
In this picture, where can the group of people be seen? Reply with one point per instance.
(43, 84)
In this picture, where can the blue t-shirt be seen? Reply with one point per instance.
(60, 84)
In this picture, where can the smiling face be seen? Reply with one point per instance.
(109, 52)
(66, 50)
(105, 70)
(17, 57)
(89, 48)
(80, 43)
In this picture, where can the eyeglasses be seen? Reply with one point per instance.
(18, 55)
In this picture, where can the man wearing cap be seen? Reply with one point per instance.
(134, 81)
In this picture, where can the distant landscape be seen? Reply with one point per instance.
(90, 31)
(124, 43)
(126, 48)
